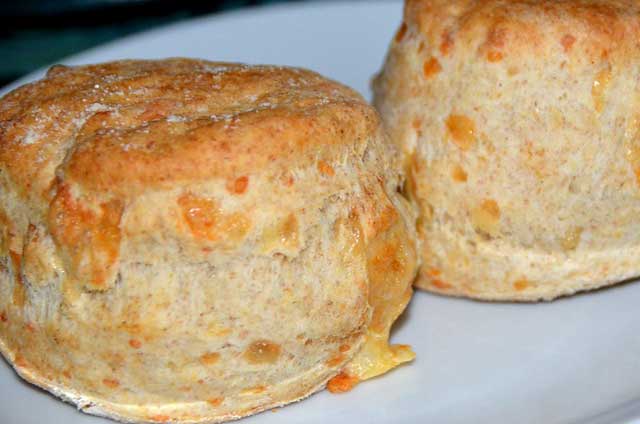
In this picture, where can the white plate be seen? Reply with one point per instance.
(576, 360)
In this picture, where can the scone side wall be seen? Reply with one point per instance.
(168, 253)
(518, 123)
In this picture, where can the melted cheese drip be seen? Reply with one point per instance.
(391, 262)
(89, 238)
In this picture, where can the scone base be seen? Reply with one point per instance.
(127, 413)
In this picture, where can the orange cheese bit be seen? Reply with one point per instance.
(255, 390)
(89, 239)
(401, 32)
(287, 180)
(111, 383)
(571, 239)
(521, 284)
(491, 207)
(446, 45)
(205, 220)
(262, 352)
(417, 125)
(486, 217)
(134, 343)
(567, 42)
(335, 361)
(459, 174)
(215, 401)
(284, 235)
(440, 284)
(210, 358)
(326, 169)
(433, 272)
(239, 185)
(342, 383)
(494, 56)
(386, 217)
(431, 67)
(20, 361)
(288, 231)
(599, 88)
(19, 293)
(462, 131)
(201, 215)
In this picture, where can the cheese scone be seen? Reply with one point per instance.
(519, 123)
(189, 241)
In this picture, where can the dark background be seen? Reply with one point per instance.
(34, 33)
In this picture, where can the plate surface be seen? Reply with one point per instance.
(576, 360)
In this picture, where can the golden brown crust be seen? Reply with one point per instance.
(146, 124)
(584, 30)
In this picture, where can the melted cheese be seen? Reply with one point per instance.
(89, 238)
(391, 262)
(377, 357)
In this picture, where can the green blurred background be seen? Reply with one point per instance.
(34, 33)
